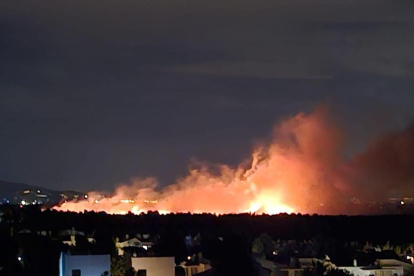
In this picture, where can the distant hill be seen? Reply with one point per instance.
(10, 189)
(18, 193)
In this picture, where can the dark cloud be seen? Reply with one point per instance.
(95, 92)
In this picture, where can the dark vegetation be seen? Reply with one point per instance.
(225, 239)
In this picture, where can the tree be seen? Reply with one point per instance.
(257, 246)
(263, 244)
(268, 243)
(118, 266)
(130, 272)
(325, 268)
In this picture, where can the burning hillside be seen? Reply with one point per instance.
(301, 170)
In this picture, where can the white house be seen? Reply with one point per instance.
(408, 268)
(195, 269)
(84, 265)
(192, 267)
(154, 266)
(377, 271)
(134, 242)
(383, 267)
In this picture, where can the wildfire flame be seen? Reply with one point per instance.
(289, 175)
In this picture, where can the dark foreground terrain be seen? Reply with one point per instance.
(31, 239)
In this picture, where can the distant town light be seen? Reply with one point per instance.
(274, 253)
(19, 258)
(402, 202)
(145, 247)
(96, 201)
(408, 257)
(189, 258)
(38, 191)
(23, 202)
(85, 196)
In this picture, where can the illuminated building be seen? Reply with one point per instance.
(84, 265)
(154, 266)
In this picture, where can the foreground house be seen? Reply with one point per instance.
(131, 243)
(383, 268)
(84, 265)
(153, 266)
(195, 264)
(377, 271)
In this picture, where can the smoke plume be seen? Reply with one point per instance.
(301, 170)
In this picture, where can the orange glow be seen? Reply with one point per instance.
(289, 175)
(269, 205)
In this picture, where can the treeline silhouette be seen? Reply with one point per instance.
(376, 229)
(224, 239)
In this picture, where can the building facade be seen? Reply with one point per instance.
(154, 266)
(84, 265)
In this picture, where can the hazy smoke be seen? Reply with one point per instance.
(386, 168)
(301, 170)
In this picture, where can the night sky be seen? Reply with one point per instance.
(93, 93)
